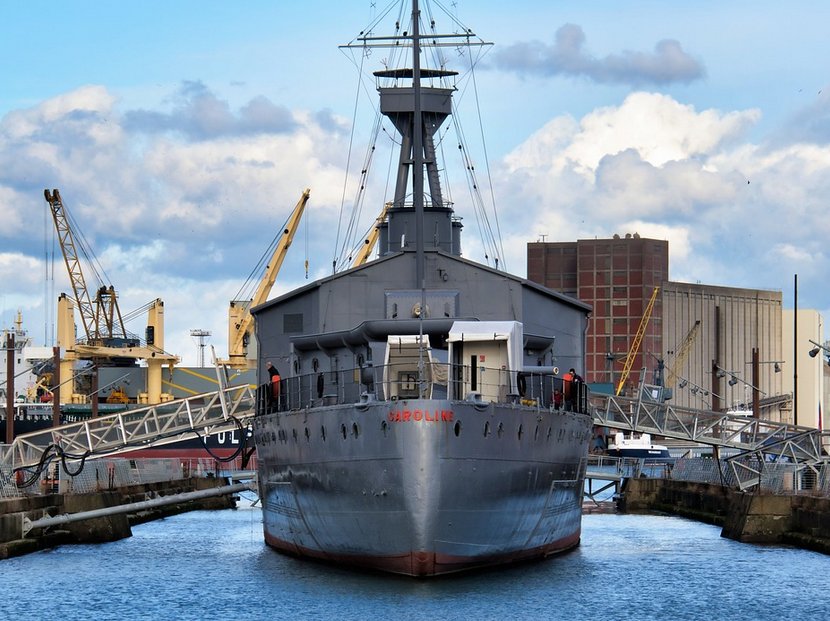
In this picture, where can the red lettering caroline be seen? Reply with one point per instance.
(418, 416)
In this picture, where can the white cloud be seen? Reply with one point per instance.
(567, 56)
(186, 217)
(734, 212)
(804, 256)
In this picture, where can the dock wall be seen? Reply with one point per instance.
(799, 520)
(99, 529)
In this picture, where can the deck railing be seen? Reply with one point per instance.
(439, 381)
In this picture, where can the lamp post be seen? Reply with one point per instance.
(9, 388)
(825, 351)
(756, 392)
(698, 391)
(756, 366)
(820, 348)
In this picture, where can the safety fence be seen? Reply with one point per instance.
(744, 473)
(423, 380)
(752, 473)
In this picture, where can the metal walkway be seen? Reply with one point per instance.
(754, 441)
(609, 473)
(134, 429)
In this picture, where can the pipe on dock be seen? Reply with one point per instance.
(133, 507)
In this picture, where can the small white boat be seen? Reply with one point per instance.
(638, 448)
(739, 416)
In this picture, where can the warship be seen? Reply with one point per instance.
(414, 419)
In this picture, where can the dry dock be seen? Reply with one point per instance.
(796, 519)
(119, 509)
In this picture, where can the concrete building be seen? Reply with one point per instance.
(808, 375)
(714, 369)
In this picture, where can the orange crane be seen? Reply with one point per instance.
(240, 320)
(635, 344)
(371, 238)
(106, 337)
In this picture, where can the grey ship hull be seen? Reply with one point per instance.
(422, 487)
(395, 429)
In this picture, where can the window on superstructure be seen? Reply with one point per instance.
(292, 323)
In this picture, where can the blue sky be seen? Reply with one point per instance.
(182, 133)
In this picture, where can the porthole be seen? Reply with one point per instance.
(343, 431)
(500, 430)
(384, 427)
(486, 428)
(355, 430)
(457, 428)
(521, 431)
(307, 435)
(323, 432)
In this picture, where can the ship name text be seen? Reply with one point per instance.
(405, 416)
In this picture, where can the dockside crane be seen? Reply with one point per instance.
(681, 354)
(240, 320)
(106, 339)
(371, 239)
(635, 344)
(101, 319)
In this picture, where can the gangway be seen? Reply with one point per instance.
(609, 473)
(132, 429)
(766, 441)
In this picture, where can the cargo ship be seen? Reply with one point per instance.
(121, 389)
(30, 411)
(409, 417)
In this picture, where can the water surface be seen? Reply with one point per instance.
(214, 565)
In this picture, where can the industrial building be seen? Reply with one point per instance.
(713, 347)
(618, 278)
(734, 346)
(808, 378)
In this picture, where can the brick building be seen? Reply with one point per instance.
(617, 277)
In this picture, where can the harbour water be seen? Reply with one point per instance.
(214, 565)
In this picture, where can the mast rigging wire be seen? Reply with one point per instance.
(246, 291)
(359, 66)
(490, 235)
(487, 162)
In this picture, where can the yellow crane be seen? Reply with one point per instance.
(106, 337)
(635, 344)
(240, 320)
(371, 239)
(681, 354)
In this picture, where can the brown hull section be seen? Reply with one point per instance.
(422, 564)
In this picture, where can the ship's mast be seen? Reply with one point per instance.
(418, 152)
(417, 111)
(418, 188)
